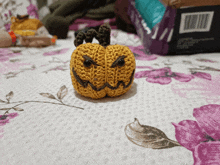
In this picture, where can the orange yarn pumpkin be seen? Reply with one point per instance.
(98, 70)
(22, 23)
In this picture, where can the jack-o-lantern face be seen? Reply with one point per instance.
(97, 71)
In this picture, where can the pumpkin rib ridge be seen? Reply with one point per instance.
(106, 73)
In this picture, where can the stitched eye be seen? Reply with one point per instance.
(87, 63)
(121, 62)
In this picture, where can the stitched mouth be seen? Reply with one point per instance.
(85, 83)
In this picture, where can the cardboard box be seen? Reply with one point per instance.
(186, 3)
(187, 27)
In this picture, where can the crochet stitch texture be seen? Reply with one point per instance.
(25, 24)
(110, 71)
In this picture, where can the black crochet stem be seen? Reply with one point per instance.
(79, 39)
(22, 16)
(103, 36)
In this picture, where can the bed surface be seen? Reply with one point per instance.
(41, 129)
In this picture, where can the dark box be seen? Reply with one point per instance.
(187, 27)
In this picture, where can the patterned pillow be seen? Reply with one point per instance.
(10, 8)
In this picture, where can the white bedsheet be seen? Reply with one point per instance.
(41, 130)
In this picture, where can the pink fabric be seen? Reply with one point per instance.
(87, 22)
(206, 87)
(201, 136)
(208, 118)
(140, 53)
(189, 134)
(206, 76)
(163, 76)
(207, 153)
(5, 119)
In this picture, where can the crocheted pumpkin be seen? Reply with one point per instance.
(23, 25)
(101, 69)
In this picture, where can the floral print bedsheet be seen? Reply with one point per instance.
(170, 115)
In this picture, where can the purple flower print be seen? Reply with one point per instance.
(9, 12)
(6, 15)
(202, 137)
(32, 11)
(207, 153)
(5, 118)
(208, 89)
(140, 53)
(163, 76)
(182, 77)
(3, 122)
(206, 76)
(56, 52)
(6, 54)
(7, 26)
(9, 67)
(144, 67)
(12, 115)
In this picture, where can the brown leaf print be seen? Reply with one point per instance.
(206, 60)
(206, 68)
(9, 96)
(18, 109)
(14, 60)
(48, 95)
(4, 109)
(62, 92)
(148, 137)
(14, 74)
(1, 101)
